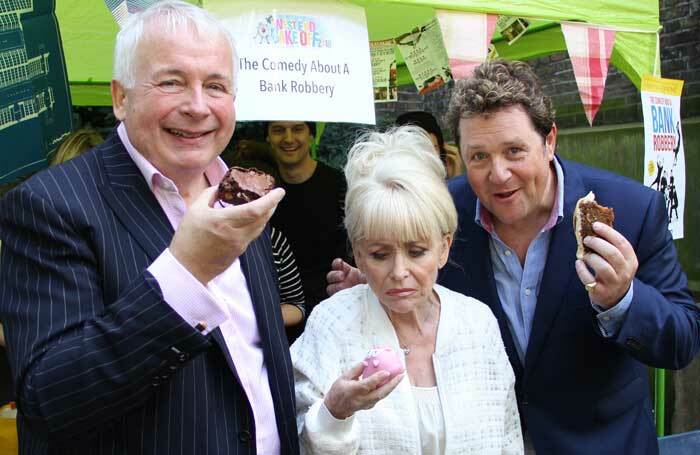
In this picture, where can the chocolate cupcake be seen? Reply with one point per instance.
(241, 185)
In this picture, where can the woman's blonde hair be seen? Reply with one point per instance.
(396, 188)
(77, 143)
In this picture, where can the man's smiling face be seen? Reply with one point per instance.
(509, 164)
(290, 142)
(180, 114)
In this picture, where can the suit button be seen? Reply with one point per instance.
(156, 381)
(179, 355)
(172, 368)
(244, 436)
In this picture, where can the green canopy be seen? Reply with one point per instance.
(88, 31)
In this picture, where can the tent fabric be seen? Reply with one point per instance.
(88, 30)
(640, 15)
(637, 54)
(466, 37)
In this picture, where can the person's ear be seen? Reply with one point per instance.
(118, 100)
(445, 245)
(550, 142)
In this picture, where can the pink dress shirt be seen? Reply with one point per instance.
(224, 302)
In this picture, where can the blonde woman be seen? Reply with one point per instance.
(457, 393)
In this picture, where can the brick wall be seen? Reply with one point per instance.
(680, 59)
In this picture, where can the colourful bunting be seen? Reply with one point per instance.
(589, 49)
(466, 37)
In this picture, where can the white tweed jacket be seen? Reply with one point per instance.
(474, 379)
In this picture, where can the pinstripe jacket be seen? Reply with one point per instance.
(102, 364)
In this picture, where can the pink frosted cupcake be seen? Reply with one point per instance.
(382, 358)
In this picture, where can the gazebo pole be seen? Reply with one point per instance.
(660, 400)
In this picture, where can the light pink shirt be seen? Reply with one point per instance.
(224, 302)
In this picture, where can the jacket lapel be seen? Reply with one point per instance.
(260, 283)
(483, 288)
(131, 198)
(219, 339)
(469, 270)
(257, 267)
(558, 271)
(133, 202)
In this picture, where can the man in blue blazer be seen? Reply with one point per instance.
(140, 317)
(579, 352)
(579, 333)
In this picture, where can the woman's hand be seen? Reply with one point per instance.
(349, 393)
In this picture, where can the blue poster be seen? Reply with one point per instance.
(35, 105)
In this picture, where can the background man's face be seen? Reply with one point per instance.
(290, 142)
(508, 164)
(180, 113)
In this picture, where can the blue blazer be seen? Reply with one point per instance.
(101, 363)
(579, 392)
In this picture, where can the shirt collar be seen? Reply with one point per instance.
(484, 219)
(214, 172)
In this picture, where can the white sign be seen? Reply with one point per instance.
(664, 156)
(300, 60)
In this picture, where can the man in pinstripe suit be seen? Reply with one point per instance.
(141, 319)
